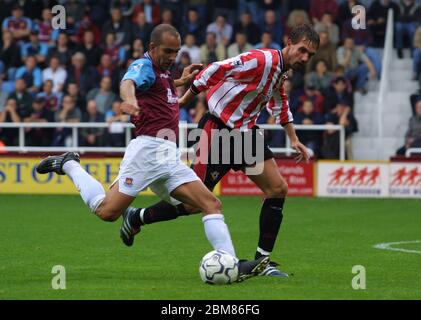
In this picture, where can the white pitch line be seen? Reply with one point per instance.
(387, 246)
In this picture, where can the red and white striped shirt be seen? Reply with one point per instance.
(240, 87)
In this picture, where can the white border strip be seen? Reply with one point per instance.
(387, 246)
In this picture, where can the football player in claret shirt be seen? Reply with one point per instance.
(238, 89)
(152, 159)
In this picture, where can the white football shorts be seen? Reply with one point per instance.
(155, 163)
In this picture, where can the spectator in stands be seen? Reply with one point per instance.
(310, 138)
(35, 47)
(115, 51)
(193, 25)
(67, 113)
(211, 50)
(321, 78)
(319, 7)
(406, 23)
(345, 10)
(357, 65)
(62, 50)
(190, 47)
(413, 134)
(338, 92)
(11, 114)
(72, 89)
(19, 25)
(116, 136)
(200, 108)
(272, 25)
(312, 94)
(167, 18)
(31, 74)
(247, 26)
(239, 46)
(90, 49)
(106, 67)
(377, 19)
(267, 42)
(342, 115)
(296, 18)
(9, 55)
(151, 9)
(327, 25)
(126, 6)
(141, 28)
(22, 97)
(47, 34)
(50, 100)
(56, 73)
(326, 52)
(75, 11)
(137, 49)
(176, 7)
(293, 95)
(250, 6)
(86, 25)
(228, 9)
(103, 96)
(84, 76)
(92, 137)
(119, 27)
(222, 30)
(39, 136)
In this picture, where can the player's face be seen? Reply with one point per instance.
(300, 53)
(167, 51)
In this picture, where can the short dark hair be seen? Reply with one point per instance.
(159, 30)
(304, 31)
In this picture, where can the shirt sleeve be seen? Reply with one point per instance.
(278, 107)
(141, 73)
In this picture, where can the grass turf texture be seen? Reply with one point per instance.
(320, 241)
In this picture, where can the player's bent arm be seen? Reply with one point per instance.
(127, 94)
(186, 98)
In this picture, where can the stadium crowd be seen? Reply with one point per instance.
(72, 75)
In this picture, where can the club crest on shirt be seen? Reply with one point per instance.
(128, 182)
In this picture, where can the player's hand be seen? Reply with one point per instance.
(130, 108)
(301, 150)
(190, 72)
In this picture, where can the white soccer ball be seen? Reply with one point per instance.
(218, 267)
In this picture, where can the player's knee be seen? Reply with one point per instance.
(107, 214)
(212, 205)
(280, 189)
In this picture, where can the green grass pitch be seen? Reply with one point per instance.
(319, 243)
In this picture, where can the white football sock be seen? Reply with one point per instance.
(90, 189)
(217, 233)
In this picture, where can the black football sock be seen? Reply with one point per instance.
(270, 223)
(161, 211)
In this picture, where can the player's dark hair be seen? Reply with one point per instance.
(304, 31)
(159, 30)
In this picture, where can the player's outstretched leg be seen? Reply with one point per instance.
(128, 228)
(55, 163)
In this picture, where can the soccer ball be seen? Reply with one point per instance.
(218, 267)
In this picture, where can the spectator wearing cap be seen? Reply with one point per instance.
(221, 28)
(343, 116)
(35, 47)
(31, 74)
(191, 48)
(18, 24)
(50, 100)
(321, 78)
(307, 116)
(39, 136)
(338, 92)
(239, 46)
(211, 51)
(413, 134)
(56, 73)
